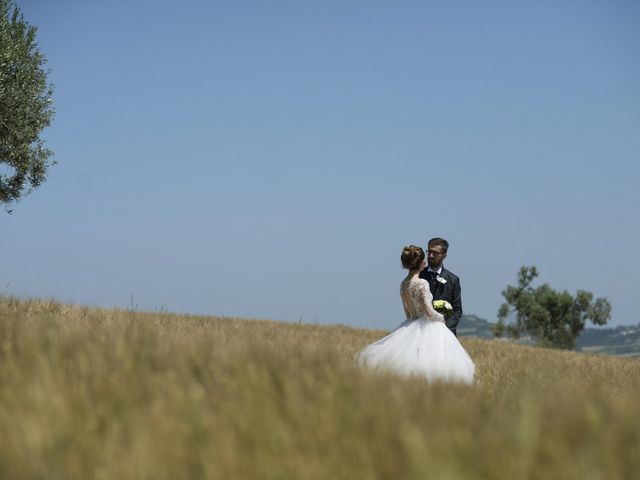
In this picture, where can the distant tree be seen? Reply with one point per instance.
(25, 106)
(553, 318)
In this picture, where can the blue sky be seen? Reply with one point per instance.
(271, 159)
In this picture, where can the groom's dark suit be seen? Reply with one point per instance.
(449, 291)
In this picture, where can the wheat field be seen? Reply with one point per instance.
(91, 393)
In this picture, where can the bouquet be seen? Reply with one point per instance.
(443, 307)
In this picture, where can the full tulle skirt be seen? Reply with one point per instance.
(423, 348)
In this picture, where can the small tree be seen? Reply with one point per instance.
(553, 318)
(25, 106)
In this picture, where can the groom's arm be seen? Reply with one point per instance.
(456, 303)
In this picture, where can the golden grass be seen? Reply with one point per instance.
(112, 394)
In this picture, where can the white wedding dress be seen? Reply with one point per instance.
(422, 345)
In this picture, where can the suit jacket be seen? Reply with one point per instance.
(449, 291)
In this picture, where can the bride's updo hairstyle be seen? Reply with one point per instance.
(412, 257)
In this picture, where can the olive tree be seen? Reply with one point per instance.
(553, 318)
(25, 106)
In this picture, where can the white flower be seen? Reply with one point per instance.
(441, 279)
(442, 305)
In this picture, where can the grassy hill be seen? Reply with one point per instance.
(89, 393)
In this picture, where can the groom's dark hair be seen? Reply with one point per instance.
(441, 242)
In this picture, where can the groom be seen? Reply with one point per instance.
(444, 284)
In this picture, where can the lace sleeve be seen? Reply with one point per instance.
(426, 299)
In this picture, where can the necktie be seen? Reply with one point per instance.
(432, 280)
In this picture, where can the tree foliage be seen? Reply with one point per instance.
(553, 318)
(25, 106)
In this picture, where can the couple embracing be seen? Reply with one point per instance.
(425, 344)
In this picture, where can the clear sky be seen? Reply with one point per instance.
(271, 159)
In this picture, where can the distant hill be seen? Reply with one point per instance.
(622, 340)
(474, 326)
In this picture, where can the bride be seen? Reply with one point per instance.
(422, 345)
